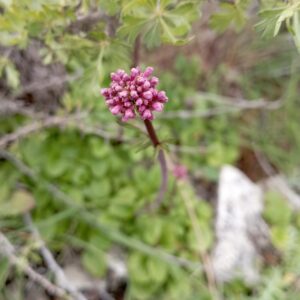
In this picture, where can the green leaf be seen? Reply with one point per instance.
(112, 7)
(98, 188)
(296, 29)
(20, 202)
(158, 20)
(277, 211)
(94, 262)
(137, 268)
(280, 236)
(12, 76)
(131, 27)
(120, 212)
(98, 242)
(4, 271)
(150, 229)
(230, 15)
(157, 270)
(268, 21)
(206, 237)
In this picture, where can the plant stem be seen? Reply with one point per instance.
(152, 134)
(163, 165)
(136, 52)
(154, 139)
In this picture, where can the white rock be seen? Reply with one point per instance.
(239, 207)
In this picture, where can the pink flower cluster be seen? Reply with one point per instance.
(180, 171)
(134, 93)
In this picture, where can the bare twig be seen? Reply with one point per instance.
(196, 150)
(7, 250)
(60, 277)
(86, 22)
(35, 126)
(278, 181)
(43, 121)
(232, 107)
(238, 102)
(52, 82)
(97, 131)
(136, 52)
(11, 107)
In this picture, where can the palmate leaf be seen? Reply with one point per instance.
(111, 7)
(131, 27)
(268, 22)
(273, 19)
(138, 7)
(158, 21)
(230, 15)
(296, 29)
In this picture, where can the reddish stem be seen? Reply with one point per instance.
(163, 165)
(136, 52)
(154, 139)
(152, 134)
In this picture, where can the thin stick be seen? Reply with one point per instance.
(7, 250)
(136, 52)
(229, 108)
(163, 166)
(60, 277)
(36, 126)
(56, 121)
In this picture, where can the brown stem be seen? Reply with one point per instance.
(152, 134)
(136, 52)
(163, 166)
(154, 139)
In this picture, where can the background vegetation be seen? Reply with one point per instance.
(231, 72)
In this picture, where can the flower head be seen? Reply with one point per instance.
(134, 93)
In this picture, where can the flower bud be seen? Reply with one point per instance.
(147, 115)
(148, 71)
(146, 85)
(110, 101)
(129, 114)
(123, 94)
(118, 88)
(140, 80)
(142, 108)
(127, 104)
(115, 109)
(134, 72)
(161, 96)
(139, 102)
(134, 94)
(105, 92)
(115, 77)
(154, 81)
(157, 106)
(147, 95)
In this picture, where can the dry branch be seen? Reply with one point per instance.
(35, 126)
(231, 105)
(60, 277)
(7, 250)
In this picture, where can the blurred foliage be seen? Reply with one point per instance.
(112, 182)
